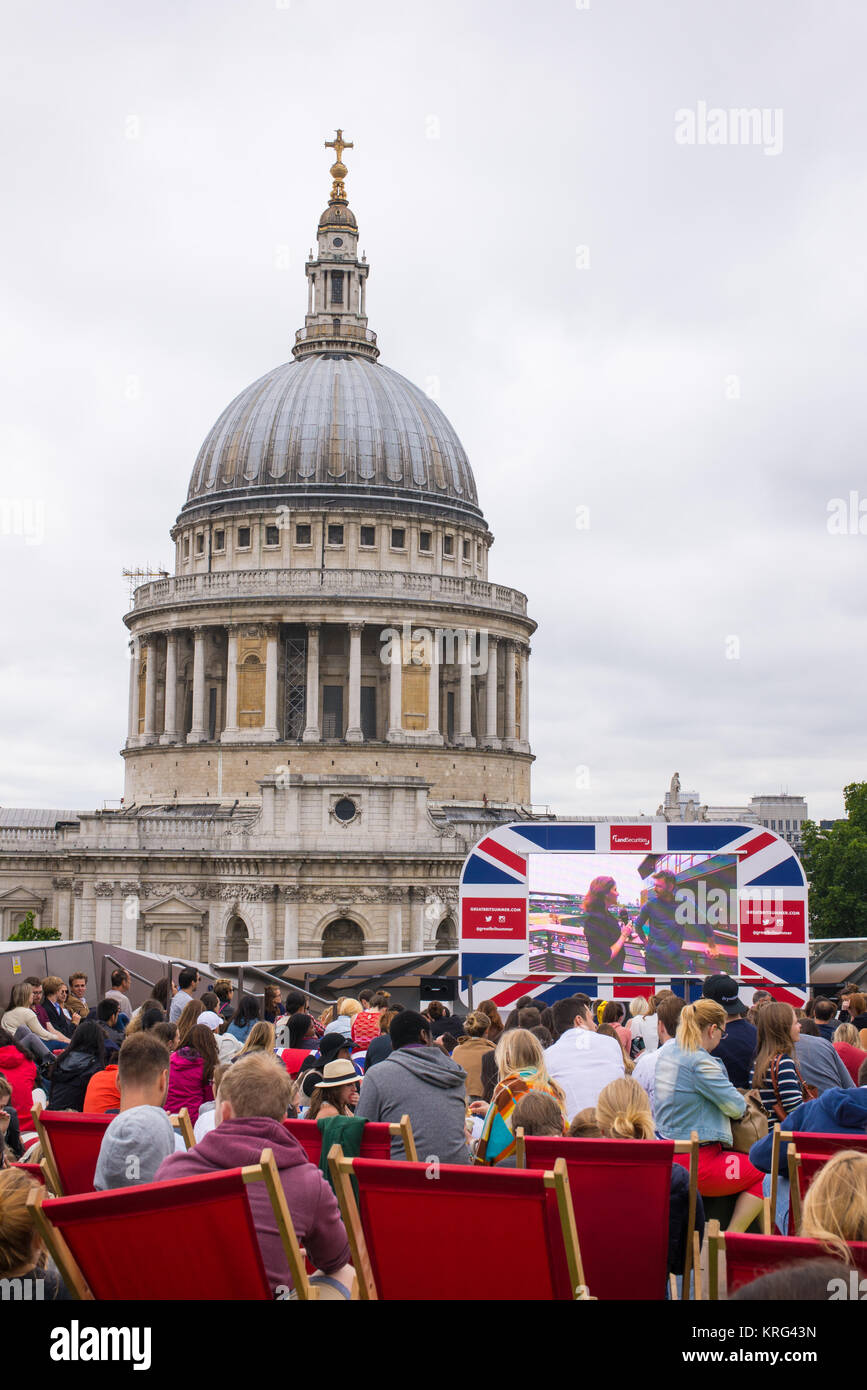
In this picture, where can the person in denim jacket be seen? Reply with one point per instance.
(692, 1092)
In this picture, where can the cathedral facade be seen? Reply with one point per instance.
(328, 699)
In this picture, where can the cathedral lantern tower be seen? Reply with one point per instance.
(336, 279)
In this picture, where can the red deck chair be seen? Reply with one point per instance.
(410, 1216)
(70, 1145)
(807, 1153)
(293, 1059)
(748, 1256)
(33, 1170)
(375, 1143)
(620, 1194)
(143, 1222)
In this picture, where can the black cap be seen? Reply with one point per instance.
(331, 1044)
(723, 990)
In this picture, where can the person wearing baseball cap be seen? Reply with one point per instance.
(737, 1048)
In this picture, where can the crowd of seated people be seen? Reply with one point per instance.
(656, 1069)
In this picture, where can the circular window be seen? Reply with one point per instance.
(345, 809)
(338, 241)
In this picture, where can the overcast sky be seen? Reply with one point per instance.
(670, 335)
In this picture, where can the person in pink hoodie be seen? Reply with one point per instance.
(251, 1106)
(191, 1072)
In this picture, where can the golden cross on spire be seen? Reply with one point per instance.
(339, 145)
(338, 169)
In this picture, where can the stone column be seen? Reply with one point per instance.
(149, 734)
(524, 742)
(104, 894)
(395, 921)
(465, 720)
(433, 734)
(395, 732)
(509, 721)
(61, 916)
(491, 738)
(134, 667)
(416, 911)
(311, 733)
(171, 732)
(353, 732)
(199, 730)
(291, 913)
(271, 730)
(78, 911)
(269, 915)
(231, 732)
(130, 915)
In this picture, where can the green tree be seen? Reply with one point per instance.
(28, 931)
(836, 864)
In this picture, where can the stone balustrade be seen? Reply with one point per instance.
(338, 583)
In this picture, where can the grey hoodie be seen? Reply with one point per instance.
(424, 1083)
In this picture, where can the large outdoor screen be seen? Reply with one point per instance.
(660, 914)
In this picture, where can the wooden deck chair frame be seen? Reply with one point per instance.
(181, 1122)
(264, 1171)
(715, 1243)
(794, 1164)
(795, 1187)
(403, 1131)
(184, 1125)
(682, 1146)
(689, 1146)
(341, 1176)
(49, 1163)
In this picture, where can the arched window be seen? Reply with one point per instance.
(447, 935)
(238, 940)
(343, 938)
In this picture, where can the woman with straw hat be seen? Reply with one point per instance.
(336, 1093)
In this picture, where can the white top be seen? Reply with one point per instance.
(14, 1019)
(645, 1027)
(125, 1007)
(178, 1004)
(583, 1063)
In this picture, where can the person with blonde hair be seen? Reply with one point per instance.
(21, 1014)
(692, 1092)
(259, 1039)
(470, 1051)
(642, 1024)
(521, 1068)
(835, 1207)
(847, 1045)
(623, 1112)
(341, 1020)
(22, 1253)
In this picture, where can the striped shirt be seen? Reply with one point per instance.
(789, 1092)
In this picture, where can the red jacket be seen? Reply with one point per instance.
(312, 1204)
(186, 1084)
(20, 1072)
(851, 1057)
